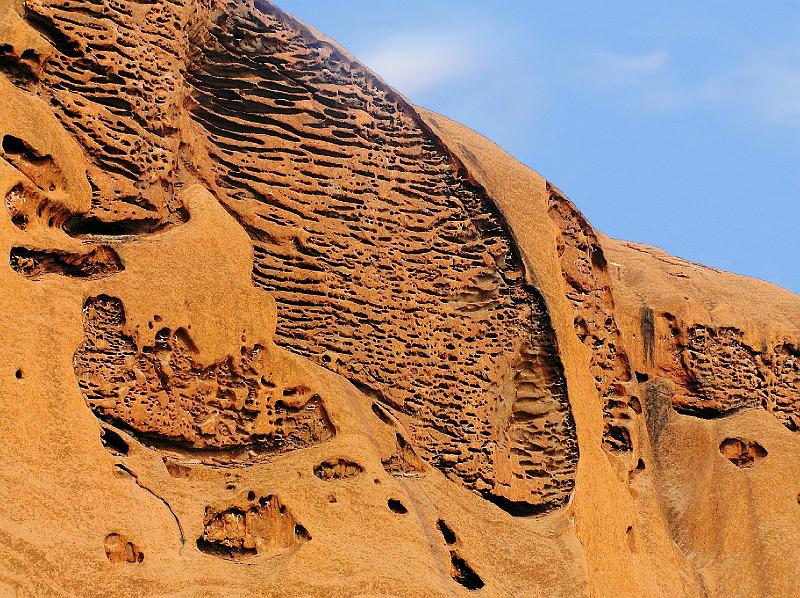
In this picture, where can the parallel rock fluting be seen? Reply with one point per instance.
(625, 409)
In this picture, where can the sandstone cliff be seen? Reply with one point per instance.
(267, 328)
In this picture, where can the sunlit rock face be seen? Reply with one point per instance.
(268, 327)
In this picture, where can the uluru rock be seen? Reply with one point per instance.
(267, 328)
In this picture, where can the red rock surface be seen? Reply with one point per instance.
(270, 329)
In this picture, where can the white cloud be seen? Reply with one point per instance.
(767, 87)
(612, 68)
(763, 86)
(644, 81)
(758, 85)
(415, 63)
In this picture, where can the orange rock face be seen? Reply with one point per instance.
(270, 329)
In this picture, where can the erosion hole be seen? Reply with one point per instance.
(742, 453)
(381, 413)
(629, 535)
(177, 470)
(13, 145)
(463, 573)
(262, 526)
(448, 534)
(622, 437)
(96, 263)
(337, 469)
(397, 507)
(120, 550)
(301, 533)
(114, 442)
(30, 54)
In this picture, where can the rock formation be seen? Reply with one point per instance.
(270, 329)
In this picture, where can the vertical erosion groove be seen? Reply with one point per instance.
(585, 270)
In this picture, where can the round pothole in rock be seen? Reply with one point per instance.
(396, 506)
(337, 469)
(121, 550)
(255, 526)
(742, 453)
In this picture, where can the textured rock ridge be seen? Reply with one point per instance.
(268, 328)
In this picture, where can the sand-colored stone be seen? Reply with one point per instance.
(268, 329)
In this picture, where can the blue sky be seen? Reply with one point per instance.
(675, 124)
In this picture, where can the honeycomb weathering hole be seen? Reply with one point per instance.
(261, 525)
(396, 506)
(121, 550)
(447, 533)
(337, 469)
(14, 145)
(404, 461)
(228, 406)
(722, 374)
(584, 266)
(95, 263)
(114, 442)
(742, 453)
(463, 574)
(42, 170)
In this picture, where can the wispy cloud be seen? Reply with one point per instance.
(761, 86)
(608, 68)
(415, 63)
(644, 81)
(754, 85)
(766, 86)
